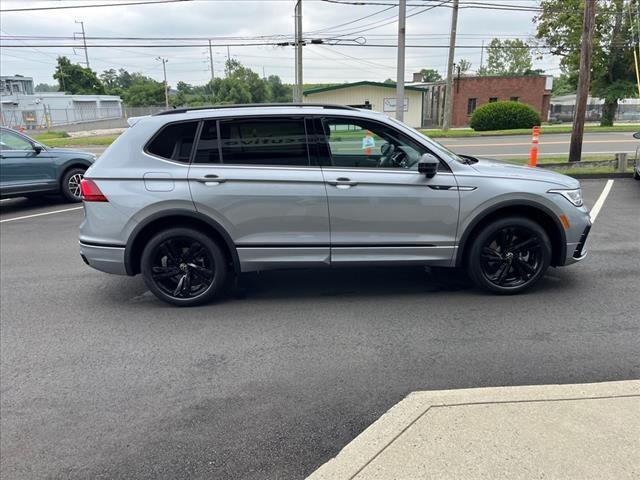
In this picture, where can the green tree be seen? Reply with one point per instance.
(507, 57)
(464, 65)
(143, 92)
(613, 77)
(230, 90)
(109, 79)
(278, 92)
(44, 87)
(430, 75)
(564, 84)
(256, 86)
(76, 79)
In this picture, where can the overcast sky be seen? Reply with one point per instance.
(249, 18)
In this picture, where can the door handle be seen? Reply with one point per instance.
(342, 182)
(211, 179)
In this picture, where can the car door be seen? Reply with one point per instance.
(381, 209)
(253, 175)
(23, 168)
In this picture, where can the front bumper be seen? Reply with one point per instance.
(577, 251)
(109, 259)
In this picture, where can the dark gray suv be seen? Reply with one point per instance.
(29, 168)
(192, 198)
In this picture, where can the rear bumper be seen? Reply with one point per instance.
(109, 259)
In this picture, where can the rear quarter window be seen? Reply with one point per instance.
(174, 141)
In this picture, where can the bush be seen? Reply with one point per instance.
(504, 116)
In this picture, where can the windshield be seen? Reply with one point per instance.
(437, 146)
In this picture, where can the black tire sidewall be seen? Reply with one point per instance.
(219, 280)
(64, 184)
(473, 261)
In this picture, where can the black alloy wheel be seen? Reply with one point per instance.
(183, 267)
(510, 255)
(70, 184)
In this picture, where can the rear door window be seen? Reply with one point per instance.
(174, 141)
(268, 141)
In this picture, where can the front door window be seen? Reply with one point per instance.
(363, 144)
(13, 142)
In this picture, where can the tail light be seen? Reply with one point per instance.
(91, 192)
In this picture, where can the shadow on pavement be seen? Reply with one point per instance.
(25, 205)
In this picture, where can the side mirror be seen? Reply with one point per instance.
(636, 135)
(428, 165)
(37, 148)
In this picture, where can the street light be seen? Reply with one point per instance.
(166, 86)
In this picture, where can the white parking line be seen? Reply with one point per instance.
(40, 214)
(600, 202)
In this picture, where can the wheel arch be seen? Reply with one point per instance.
(75, 163)
(176, 218)
(531, 210)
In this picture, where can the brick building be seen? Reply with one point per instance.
(471, 92)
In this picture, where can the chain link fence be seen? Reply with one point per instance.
(43, 118)
(564, 111)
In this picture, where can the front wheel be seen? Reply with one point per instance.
(183, 267)
(510, 255)
(70, 184)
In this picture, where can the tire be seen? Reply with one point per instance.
(501, 262)
(636, 175)
(198, 265)
(70, 184)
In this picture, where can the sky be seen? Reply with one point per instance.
(327, 63)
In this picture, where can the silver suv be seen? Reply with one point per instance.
(192, 198)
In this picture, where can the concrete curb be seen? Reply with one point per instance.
(581, 176)
(368, 447)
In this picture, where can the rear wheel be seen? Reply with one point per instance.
(183, 267)
(70, 184)
(510, 255)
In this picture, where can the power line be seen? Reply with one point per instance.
(366, 17)
(67, 7)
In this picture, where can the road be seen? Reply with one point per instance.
(514, 146)
(101, 380)
(550, 145)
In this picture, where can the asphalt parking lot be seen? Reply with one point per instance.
(101, 380)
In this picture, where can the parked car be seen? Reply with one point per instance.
(191, 198)
(28, 168)
(636, 161)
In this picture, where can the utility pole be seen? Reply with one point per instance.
(402, 18)
(166, 85)
(298, 15)
(211, 59)
(588, 26)
(482, 55)
(84, 42)
(448, 104)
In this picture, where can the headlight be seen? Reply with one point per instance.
(574, 196)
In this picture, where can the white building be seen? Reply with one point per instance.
(377, 96)
(16, 85)
(51, 109)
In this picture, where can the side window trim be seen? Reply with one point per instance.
(145, 149)
(219, 135)
(196, 141)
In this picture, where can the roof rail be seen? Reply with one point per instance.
(248, 105)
